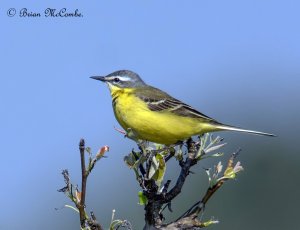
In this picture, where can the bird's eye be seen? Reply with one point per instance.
(116, 80)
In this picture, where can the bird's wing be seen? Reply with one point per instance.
(158, 100)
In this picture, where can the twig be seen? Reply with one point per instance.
(194, 211)
(156, 200)
(185, 170)
(141, 167)
(81, 206)
(200, 205)
(78, 197)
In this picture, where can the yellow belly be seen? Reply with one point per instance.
(156, 126)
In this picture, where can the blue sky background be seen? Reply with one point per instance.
(236, 61)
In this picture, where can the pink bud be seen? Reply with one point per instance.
(101, 151)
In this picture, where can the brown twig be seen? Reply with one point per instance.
(153, 208)
(78, 197)
(81, 205)
(189, 217)
(200, 205)
(159, 199)
(185, 170)
(84, 220)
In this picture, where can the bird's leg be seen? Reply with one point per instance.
(120, 131)
(132, 134)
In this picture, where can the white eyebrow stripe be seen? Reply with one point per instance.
(122, 78)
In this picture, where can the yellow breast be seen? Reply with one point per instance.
(156, 126)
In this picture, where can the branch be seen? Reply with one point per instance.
(185, 170)
(211, 190)
(78, 197)
(189, 219)
(81, 205)
(156, 198)
(149, 166)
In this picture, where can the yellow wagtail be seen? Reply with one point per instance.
(154, 115)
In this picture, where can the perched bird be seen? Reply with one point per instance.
(154, 115)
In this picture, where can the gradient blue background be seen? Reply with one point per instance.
(236, 61)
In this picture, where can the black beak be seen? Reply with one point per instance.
(99, 78)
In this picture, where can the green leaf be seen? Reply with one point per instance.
(160, 172)
(71, 207)
(217, 155)
(140, 161)
(210, 156)
(210, 222)
(229, 173)
(153, 168)
(142, 198)
(158, 146)
(115, 223)
(130, 160)
(214, 148)
(179, 154)
(89, 150)
(131, 134)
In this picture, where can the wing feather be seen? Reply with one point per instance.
(158, 100)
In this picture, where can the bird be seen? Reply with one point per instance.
(153, 115)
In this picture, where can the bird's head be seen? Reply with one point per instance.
(121, 79)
